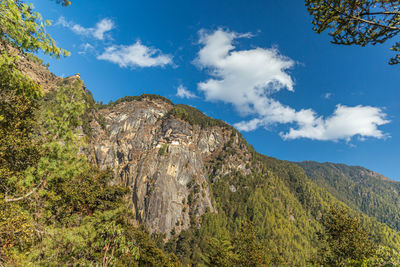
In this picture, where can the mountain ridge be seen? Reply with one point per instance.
(371, 172)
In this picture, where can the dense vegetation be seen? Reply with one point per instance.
(195, 117)
(360, 189)
(287, 213)
(57, 209)
(344, 242)
(136, 98)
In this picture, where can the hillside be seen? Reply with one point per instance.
(359, 188)
(189, 181)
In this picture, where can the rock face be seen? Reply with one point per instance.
(163, 160)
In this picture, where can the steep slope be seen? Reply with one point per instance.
(34, 68)
(162, 159)
(359, 188)
(174, 157)
(194, 177)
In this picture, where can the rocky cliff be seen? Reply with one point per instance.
(163, 159)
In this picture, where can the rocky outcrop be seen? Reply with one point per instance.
(38, 73)
(32, 66)
(163, 159)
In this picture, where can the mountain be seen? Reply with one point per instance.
(360, 188)
(192, 182)
(194, 177)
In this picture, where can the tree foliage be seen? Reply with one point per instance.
(107, 238)
(24, 29)
(343, 240)
(244, 250)
(64, 3)
(21, 30)
(220, 253)
(18, 103)
(247, 247)
(359, 22)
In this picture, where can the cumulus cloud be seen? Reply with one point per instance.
(249, 78)
(135, 55)
(182, 92)
(344, 123)
(98, 31)
(244, 78)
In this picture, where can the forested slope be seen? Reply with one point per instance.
(360, 188)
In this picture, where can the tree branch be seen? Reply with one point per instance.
(380, 13)
(367, 21)
(6, 199)
(375, 23)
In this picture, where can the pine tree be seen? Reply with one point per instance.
(359, 22)
(343, 241)
(249, 252)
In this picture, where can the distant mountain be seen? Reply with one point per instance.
(360, 188)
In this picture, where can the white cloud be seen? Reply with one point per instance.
(248, 79)
(102, 27)
(86, 47)
(244, 78)
(344, 123)
(98, 32)
(182, 92)
(135, 55)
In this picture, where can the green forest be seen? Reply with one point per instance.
(58, 209)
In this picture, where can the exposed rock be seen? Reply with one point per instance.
(166, 161)
(232, 188)
(162, 159)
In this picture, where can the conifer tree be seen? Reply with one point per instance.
(344, 241)
(359, 22)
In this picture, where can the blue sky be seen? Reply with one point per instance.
(254, 64)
